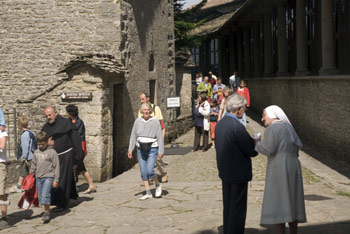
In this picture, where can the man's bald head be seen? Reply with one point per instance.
(50, 113)
(144, 98)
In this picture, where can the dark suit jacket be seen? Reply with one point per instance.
(234, 149)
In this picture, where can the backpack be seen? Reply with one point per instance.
(33, 144)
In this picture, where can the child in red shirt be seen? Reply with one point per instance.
(244, 91)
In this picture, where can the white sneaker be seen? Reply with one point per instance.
(159, 191)
(146, 196)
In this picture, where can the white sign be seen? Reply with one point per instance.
(173, 102)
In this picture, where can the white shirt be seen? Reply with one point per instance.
(233, 78)
(3, 152)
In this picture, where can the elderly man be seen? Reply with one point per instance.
(234, 149)
(67, 145)
(144, 97)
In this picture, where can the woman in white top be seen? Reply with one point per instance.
(284, 194)
(147, 135)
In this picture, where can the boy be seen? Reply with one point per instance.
(46, 167)
(25, 150)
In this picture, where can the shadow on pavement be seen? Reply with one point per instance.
(327, 228)
(18, 216)
(314, 152)
(80, 200)
(82, 187)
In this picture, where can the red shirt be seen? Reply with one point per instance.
(212, 81)
(245, 93)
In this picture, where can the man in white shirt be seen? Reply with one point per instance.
(234, 80)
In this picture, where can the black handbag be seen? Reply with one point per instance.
(213, 118)
(145, 146)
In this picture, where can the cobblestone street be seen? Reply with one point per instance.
(191, 202)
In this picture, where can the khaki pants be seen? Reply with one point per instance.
(3, 175)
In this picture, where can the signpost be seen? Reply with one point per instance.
(81, 96)
(173, 102)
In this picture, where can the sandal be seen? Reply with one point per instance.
(90, 190)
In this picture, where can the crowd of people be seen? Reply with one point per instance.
(224, 109)
(211, 105)
(50, 162)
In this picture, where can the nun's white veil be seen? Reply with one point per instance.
(276, 112)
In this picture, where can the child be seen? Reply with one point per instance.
(244, 91)
(26, 149)
(46, 167)
(220, 94)
(214, 112)
(4, 201)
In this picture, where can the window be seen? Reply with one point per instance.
(214, 55)
(151, 63)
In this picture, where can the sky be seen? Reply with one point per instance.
(189, 3)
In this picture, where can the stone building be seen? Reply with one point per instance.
(99, 55)
(294, 53)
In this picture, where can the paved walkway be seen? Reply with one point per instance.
(192, 201)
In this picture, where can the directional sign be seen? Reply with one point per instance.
(76, 96)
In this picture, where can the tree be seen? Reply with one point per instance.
(184, 22)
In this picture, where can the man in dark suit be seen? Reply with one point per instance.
(234, 149)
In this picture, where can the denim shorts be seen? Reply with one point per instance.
(44, 186)
(147, 161)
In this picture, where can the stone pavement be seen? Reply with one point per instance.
(191, 202)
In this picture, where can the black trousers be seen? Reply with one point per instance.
(198, 131)
(235, 207)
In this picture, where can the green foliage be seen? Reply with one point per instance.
(185, 21)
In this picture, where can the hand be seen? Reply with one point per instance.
(257, 139)
(160, 156)
(27, 163)
(51, 142)
(130, 154)
(54, 184)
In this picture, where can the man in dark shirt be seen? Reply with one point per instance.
(234, 149)
(67, 145)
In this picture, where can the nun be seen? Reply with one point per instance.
(284, 194)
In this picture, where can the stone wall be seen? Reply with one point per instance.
(39, 38)
(318, 108)
(147, 27)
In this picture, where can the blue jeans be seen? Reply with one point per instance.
(243, 120)
(147, 161)
(44, 186)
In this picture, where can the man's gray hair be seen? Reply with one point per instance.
(234, 102)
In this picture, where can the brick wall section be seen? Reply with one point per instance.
(38, 37)
(318, 108)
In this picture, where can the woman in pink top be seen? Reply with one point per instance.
(244, 91)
